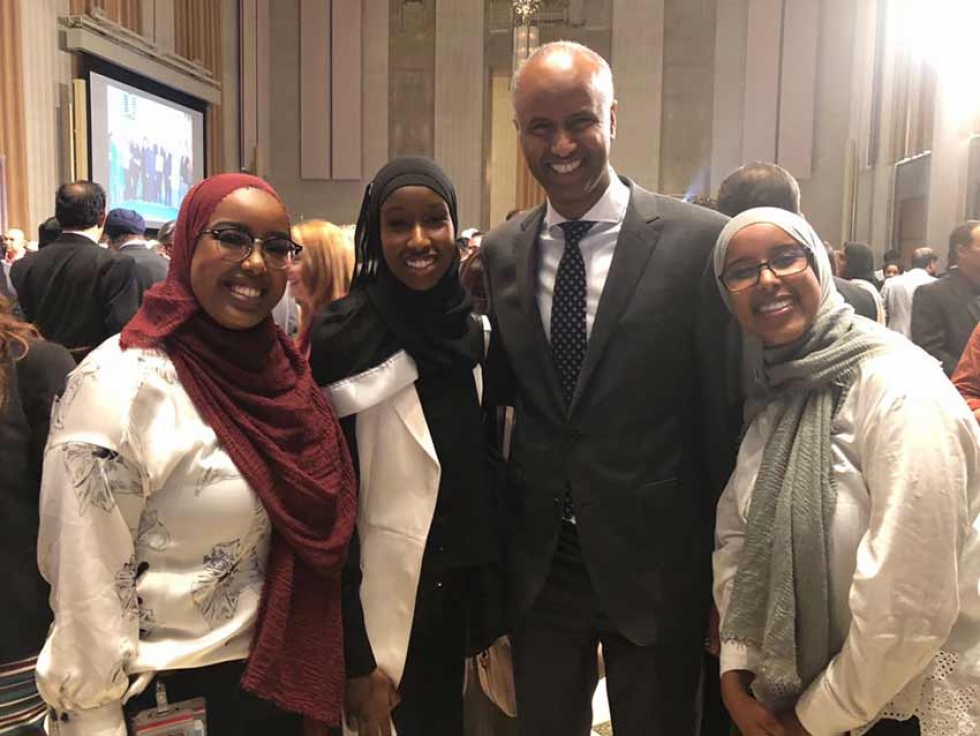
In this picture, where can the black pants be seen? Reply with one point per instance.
(652, 690)
(431, 688)
(231, 710)
(896, 728)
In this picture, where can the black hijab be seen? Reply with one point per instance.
(381, 314)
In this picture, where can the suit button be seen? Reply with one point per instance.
(557, 502)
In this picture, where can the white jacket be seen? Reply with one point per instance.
(399, 487)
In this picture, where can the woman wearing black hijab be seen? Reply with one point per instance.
(399, 358)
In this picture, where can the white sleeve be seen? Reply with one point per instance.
(86, 552)
(918, 457)
(730, 525)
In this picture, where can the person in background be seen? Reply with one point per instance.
(165, 238)
(473, 276)
(945, 312)
(400, 359)
(897, 293)
(966, 377)
(857, 266)
(15, 245)
(198, 498)
(48, 232)
(32, 374)
(77, 293)
(125, 230)
(321, 275)
(847, 563)
(891, 270)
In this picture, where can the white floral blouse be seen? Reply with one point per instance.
(154, 544)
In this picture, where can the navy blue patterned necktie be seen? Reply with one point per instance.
(568, 332)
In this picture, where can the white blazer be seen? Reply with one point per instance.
(399, 487)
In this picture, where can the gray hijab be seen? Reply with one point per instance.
(780, 602)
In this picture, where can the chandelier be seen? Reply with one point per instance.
(525, 31)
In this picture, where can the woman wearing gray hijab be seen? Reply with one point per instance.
(847, 560)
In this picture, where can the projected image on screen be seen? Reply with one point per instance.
(146, 151)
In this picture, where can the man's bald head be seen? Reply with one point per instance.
(568, 57)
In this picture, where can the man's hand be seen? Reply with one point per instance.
(368, 702)
(751, 716)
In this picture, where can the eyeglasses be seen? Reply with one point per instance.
(236, 245)
(785, 263)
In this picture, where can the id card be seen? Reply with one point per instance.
(186, 718)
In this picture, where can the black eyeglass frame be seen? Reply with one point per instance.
(215, 234)
(766, 264)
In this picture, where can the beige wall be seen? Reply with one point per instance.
(338, 201)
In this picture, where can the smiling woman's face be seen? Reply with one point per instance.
(240, 295)
(777, 310)
(417, 236)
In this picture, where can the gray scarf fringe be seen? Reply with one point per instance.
(780, 603)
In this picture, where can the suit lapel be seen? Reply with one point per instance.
(408, 406)
(633, 249)
(526, 260)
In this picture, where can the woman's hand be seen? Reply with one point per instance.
(751, 716)
(368, 702)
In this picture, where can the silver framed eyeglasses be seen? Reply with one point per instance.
(236, 245)
(744, 276)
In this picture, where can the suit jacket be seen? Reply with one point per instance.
(151, 267)
(630, 447)
(944, 314)
(77, 293)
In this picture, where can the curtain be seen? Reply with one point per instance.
(13, 136)
(198, 36)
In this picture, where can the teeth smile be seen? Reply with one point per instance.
(566, 168)
(247, 291)
(420, 263)
(775, 306)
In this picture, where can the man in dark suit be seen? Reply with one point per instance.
(77, 293)
(595, 305)
(945, 312)
(124, 230)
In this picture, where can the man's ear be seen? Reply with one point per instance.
(102, 219)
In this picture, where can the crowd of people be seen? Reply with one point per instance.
(306, 474)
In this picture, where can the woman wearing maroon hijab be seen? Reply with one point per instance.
(198, 498)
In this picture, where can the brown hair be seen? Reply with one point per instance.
(328, 265)
(15, 337)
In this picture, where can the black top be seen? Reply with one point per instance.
(24, 417)
(77, 293)
(151, 268)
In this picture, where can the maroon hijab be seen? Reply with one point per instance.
(254, 389)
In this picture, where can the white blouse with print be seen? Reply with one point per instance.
(905, 553)
(154, 544)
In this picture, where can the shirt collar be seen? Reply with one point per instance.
(610, 208)
(81, 234)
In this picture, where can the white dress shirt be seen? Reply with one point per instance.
(154, 544)
(897, 294)
(598, 247)
(904, 553)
